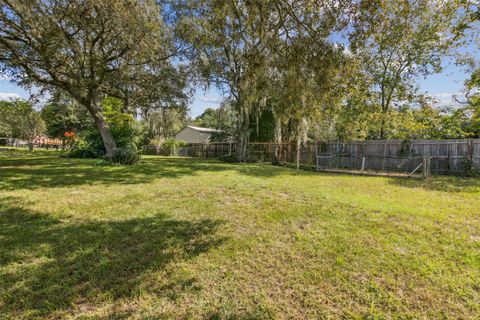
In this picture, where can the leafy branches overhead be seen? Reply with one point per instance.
(237, 43)
(88, 49)
(86, 43)
(399, 41)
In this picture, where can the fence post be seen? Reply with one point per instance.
(363, 164)
(384, 155)
(470, 150)
(426, 167)
(338, 152)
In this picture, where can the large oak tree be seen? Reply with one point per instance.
(87, 48)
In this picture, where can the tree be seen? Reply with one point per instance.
(308, 71)
(62, 114)
(21, 121)
(230, 39)
(223, 119)
(126, 131)
(262, 126)
(236, 41)
(163, 123)
(208, 119)
(88, 49)
(5, 127)
(399, 41)
(468, 28)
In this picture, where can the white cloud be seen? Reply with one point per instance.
(444, 95)
(446, 98)
(9, 95)
(210, 99)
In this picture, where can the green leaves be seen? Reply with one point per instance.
(400, 41)
(20, 120)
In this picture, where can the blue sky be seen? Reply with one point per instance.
(441, 86)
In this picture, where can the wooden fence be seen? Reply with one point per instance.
(444, 156)
(256, 152)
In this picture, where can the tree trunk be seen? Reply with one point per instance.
(30, 146)
(297, 154)
(277, 138)
(242, 141)
(105, 132)
(243, 123)
(382, 127)
(384, 111)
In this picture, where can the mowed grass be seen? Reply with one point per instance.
(173, 238)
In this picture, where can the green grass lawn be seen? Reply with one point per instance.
(190, 238)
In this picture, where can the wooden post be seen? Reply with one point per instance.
(384, 155)
(470, 150)
(362, 153)
(338, 151)
(425, 167)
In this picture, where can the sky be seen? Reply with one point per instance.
(441, 86)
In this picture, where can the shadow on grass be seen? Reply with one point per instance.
(441, 183)
(49, 266)
(49, 172)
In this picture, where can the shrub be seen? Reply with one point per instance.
(469, 169)
(126, 155)
(405, 148)
(125, 130)
(88, 145)
(170, 146)
(230, 158)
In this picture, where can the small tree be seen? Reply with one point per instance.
(23, 121)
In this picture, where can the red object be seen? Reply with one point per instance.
(69, 134)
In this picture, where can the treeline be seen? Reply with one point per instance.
(121, 73)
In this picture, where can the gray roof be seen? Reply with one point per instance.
(206, 130)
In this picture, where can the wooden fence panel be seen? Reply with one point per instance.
(446, 156)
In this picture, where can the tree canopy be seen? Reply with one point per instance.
(20, 120)
(89, 49)
(288, 70)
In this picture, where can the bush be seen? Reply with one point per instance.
(170, 146)
(405, 148)
(469, 169)
(88, 145)
(230, 158)
(126, 133)
(127, 155)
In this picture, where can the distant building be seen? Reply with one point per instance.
(191, 134)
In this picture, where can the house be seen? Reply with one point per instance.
(191, 134)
